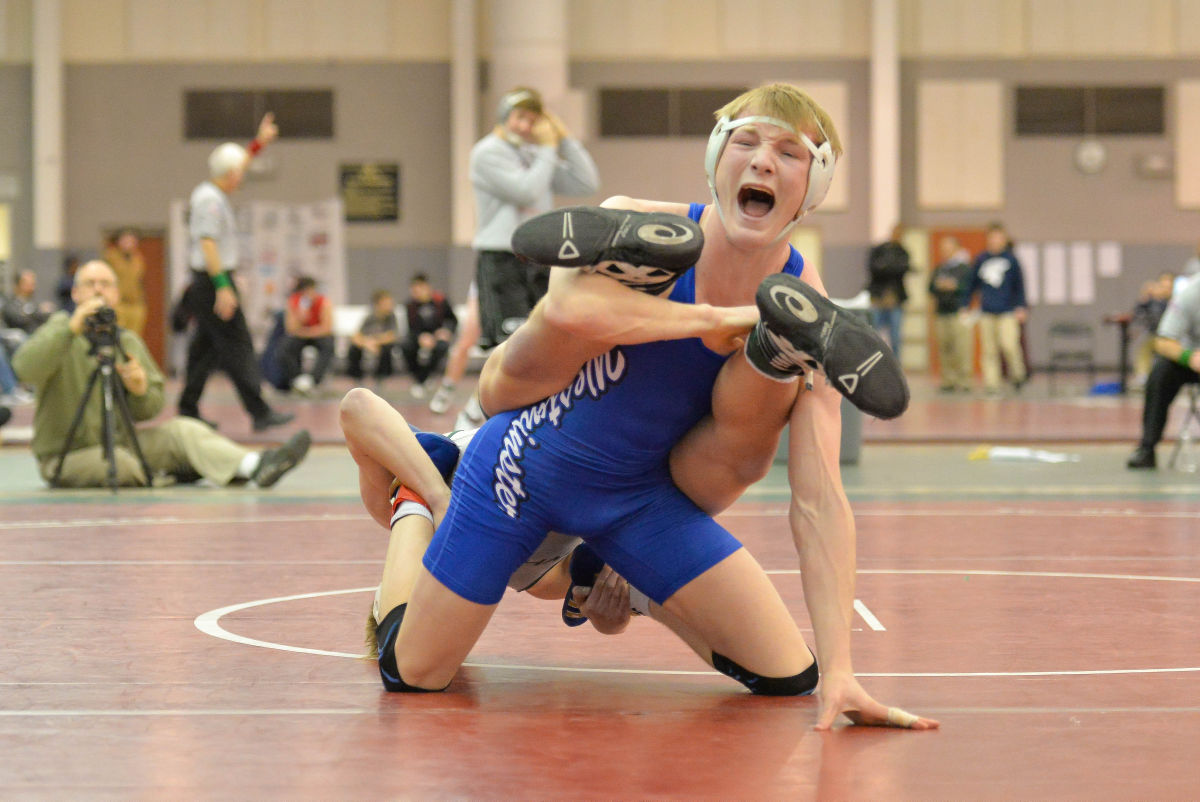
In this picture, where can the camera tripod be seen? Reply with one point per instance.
(112, 399)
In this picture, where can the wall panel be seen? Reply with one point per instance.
(1100, 28)
(1187, 134)
(717, 30)
(959, 28)
(647, 30)
(93, 30)
(1187, 27)
(960, 144)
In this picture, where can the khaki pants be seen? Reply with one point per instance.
(1000, 334)
(182, 447)
(954, 350)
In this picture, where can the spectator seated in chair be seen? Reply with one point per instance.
(431, 325)
(375, 339)
(308, 321)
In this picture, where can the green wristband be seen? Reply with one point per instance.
(221, 280)
(1185, 358)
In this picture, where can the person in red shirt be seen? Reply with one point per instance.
(308, 321)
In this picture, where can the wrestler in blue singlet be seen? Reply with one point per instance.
(591, 460)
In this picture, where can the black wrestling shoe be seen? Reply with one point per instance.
(643, 250)
(585, 565)
(802, 330)
(275, 462)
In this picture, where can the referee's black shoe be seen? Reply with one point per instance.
(643, 250)
(801, 330)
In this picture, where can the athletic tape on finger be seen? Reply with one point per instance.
(901, 718)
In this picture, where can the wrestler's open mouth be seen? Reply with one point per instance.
(755, 201)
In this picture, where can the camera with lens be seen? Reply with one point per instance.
(100, 329)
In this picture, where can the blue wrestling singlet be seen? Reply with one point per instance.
(591, 460)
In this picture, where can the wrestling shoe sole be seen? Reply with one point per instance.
(275, 462)
(643, 250)
(802, 330)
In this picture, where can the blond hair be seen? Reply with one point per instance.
(787, 103)
(372, 637)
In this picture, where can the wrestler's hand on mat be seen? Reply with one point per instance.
(729, 333)
(843, 694)
(606, 605)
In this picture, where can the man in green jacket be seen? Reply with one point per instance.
(56, 362)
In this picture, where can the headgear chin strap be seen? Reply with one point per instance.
(820, 169)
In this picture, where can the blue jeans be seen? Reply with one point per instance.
(889, 319)
(8, 379)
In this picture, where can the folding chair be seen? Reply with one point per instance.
(1072, 347)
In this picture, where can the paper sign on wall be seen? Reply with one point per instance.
(1054, 273)
(1083, 280)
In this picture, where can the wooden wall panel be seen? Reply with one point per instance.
(1100, 28)
(716, 30)
(1187, 134)
(961, 29)
(960, 144)
(1187, 27)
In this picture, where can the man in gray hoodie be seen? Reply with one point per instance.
(517, 170)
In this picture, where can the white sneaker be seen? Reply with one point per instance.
(471, 416)
(303, 384)
(417, 390)
(441, 400)
(17, 398)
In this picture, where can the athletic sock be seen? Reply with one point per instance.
(638, 602)
(248, 465)
(405, 502)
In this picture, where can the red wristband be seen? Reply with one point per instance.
(255, 147)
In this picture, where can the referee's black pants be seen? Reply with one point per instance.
(219, 345)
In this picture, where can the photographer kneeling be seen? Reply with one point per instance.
(58, 361)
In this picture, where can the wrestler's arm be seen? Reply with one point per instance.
(822, 526)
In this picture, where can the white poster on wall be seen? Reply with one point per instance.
(1054, 273)
(1031, 270)
(324, 249)
(261, 278)
(281, 241)
(1083, 279)
(1108, 259)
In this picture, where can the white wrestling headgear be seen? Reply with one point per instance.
(820, 171)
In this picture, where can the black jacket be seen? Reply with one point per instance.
(886, 266)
